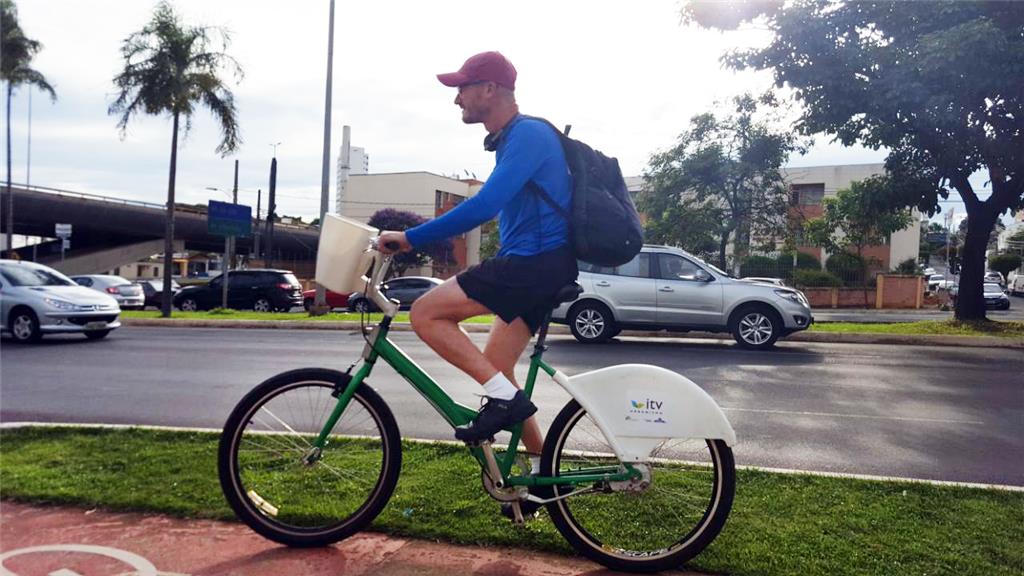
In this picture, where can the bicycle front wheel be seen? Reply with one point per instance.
(654, 524)
(287, 490)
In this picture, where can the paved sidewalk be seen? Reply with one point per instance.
(110, 544)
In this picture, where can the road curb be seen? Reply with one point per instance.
(817, 337)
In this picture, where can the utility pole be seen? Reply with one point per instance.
(271, 208)
(320, 307)
(234, 200)
(229, 251)
(256, 231)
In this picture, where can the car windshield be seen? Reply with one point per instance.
(291, 279)
(31, 276)
(993, 289)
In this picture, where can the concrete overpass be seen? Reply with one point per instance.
(110, 232)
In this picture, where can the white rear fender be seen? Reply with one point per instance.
(639, 406)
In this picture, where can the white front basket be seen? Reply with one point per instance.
(342, 258)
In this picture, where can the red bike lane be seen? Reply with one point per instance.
(64, 541)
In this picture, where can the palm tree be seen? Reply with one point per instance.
(16, 54)
(170, 68)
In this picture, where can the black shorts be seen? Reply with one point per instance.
(520, 286)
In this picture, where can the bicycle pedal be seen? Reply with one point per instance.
(479, 443)
(517, 515)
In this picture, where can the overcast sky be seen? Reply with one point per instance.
(627, 76)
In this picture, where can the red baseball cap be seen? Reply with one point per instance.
(483, 67)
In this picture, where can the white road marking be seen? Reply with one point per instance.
(865, 416)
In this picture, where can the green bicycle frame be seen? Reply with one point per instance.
(458, 414)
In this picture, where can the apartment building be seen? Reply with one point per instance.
(811, 185)
(423, 193)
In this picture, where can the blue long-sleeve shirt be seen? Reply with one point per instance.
(529, 150)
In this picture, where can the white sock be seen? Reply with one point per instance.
(534, 465)
(499, 387)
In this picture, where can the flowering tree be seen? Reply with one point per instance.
(399, 220)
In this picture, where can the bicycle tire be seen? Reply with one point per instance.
(295, 503)
(614, 528)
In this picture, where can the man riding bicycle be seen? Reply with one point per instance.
(535, 260)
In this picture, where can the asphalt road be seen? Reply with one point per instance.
(936, 413)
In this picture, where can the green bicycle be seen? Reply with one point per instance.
(636, 471)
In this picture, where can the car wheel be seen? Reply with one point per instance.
(24, 326)
(307, 304)
(262, 304)
(756, 327)
(97, 335)
(188, 305)
(591, 322)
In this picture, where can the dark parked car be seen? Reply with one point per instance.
(995, 298)
(334, 300)
(154, 290)
(406, 290)
(259, 290)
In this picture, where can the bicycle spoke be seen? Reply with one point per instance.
(309, 487)
(630, 520)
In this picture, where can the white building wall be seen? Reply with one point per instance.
(410, 191)
(359, 163)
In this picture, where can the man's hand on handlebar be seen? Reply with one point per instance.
(393, 242)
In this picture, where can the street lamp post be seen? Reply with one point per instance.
(320, 307)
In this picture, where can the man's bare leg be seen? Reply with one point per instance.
(435, 318)
(504, 347)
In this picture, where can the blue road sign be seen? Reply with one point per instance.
(226, 219)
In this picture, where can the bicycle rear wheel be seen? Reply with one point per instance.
(641, 526)
(286, 490)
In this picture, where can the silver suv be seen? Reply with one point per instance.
(667, 288)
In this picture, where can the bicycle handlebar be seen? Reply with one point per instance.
(381, 263)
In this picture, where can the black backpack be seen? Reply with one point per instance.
(604, 226)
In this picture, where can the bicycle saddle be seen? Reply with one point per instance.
(567, 293)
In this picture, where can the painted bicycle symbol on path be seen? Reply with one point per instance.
(137, 565)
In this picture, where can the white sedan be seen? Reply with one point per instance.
(39, 300)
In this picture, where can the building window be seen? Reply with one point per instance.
(808, 194)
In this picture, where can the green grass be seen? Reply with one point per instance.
(929, 327)
(780, 524)
(224, 314)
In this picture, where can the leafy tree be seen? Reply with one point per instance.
(721, 182)
(936, 83)
(993, 237)
(1017, 236)
(171, 68)
(16, 54)
(399, 220)
(679, 220)
(908, 267)
(857, 217)
(1004, 263)
(490, 239)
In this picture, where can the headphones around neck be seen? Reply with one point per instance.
(491, 141)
